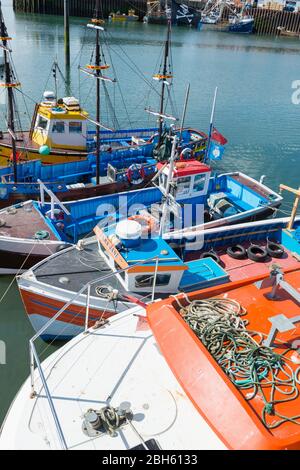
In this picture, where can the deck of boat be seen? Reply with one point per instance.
(238, 411)
(246, 268)
(79, 267)
(120, 362)
(254, 185)
(23, 222)
(23, 140)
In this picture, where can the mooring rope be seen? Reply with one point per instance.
(249, 364)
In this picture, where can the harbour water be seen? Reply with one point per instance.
(254, 111)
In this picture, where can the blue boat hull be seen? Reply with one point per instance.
(245, 28)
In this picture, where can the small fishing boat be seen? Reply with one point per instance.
(194, 197)
(131, 153)
(179, 13)
(123, 17)
(241, 23)
(213, 18)
(123, 268)
(282, 31)
(204, 388)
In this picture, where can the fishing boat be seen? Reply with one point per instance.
(126, 163)
(58, 128)
(213, 17)
(123, 17)
(137, 269)
(203, 388)
(282, 31)
(187, 194)
(179, 13)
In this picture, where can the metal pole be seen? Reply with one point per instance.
(184, 111)
(50, 401)
(87, 311)
(211, 123)
(10, 95)
(168, 186)
(67, 33)
(98, 91)
(165, 66)
(154, 280)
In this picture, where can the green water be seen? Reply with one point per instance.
(254, 111)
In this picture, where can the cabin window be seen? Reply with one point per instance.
(199, 183)
(183, 185)
(58, 127)
(42, 123)
(147, 280)
(75, 127)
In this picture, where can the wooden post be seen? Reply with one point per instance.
(296, 203)
(67, 33)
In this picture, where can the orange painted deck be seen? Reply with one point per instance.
(244, 269)
(235, 420)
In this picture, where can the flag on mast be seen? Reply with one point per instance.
(218, 137)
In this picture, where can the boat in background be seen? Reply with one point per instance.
(214, 17)
(179, 13)
(123, 17)
(193, 394)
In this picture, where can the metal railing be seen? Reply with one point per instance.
(34, 359)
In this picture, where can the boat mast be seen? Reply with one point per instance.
(98, 72)
(10, 97)
(164, 75)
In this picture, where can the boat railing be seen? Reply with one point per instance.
(34, 357)
(53, 199)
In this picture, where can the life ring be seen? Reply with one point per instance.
(148, 224)
(133, 174)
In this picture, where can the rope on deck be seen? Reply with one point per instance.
(250, 366)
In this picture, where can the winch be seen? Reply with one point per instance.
(107, 420)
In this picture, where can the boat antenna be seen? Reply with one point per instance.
(168, 184)
(211, 125)
(164, 75)
(55, 66)
(98, 98)
(187, 93)
(9, 84)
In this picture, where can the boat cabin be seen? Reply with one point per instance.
(154, 263)
(60, 123)
(190, 179)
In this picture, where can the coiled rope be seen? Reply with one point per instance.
(219, 325)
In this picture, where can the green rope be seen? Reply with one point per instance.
(219, 325)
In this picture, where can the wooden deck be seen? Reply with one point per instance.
(24, 223)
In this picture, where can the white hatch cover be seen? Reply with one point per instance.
(129, 230)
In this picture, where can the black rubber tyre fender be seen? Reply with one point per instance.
(211, 254)
(257, 253)
(275, 250)
(237, 252)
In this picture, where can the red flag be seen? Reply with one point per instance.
(218, 137)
